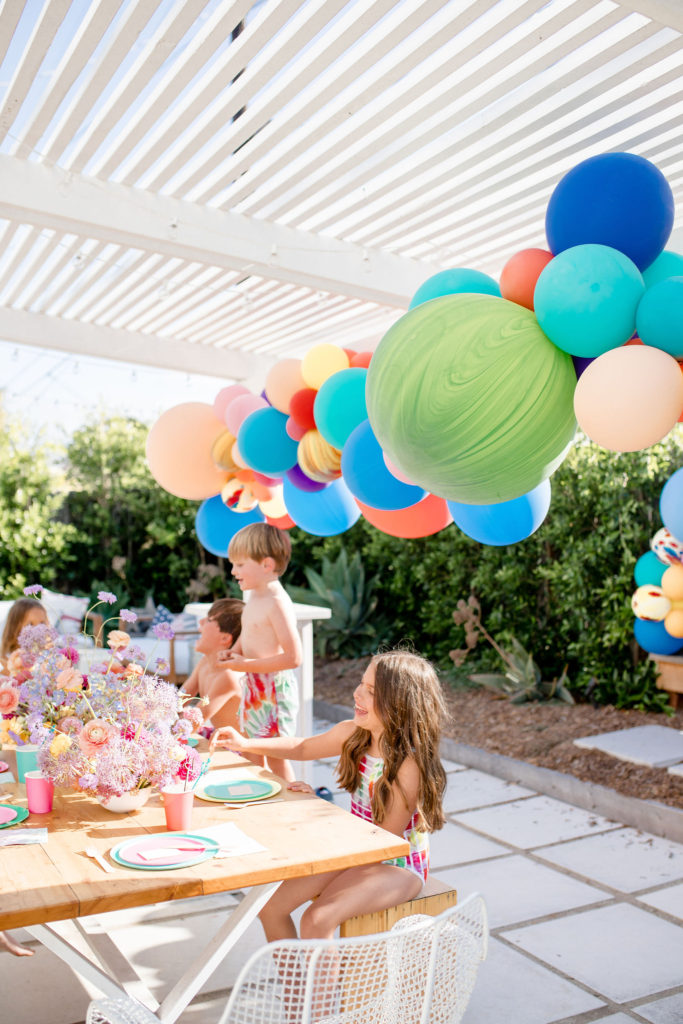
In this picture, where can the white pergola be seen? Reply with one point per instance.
(212, 185)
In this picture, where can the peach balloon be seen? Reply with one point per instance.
(294, 429)
(284, 380)
(320, 362)
(178, 450)
(240, 408)
(629, 398)
(225, 396)
(673, 623)
(672, 582)
(237, 457)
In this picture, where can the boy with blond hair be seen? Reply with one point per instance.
(268, 648)
(211, 678)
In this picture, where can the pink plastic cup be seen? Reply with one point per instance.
(177, 808)
(39, 793)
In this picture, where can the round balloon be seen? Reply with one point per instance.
(667, 264)
(666, 547)
(648, 569)
(265, 444)
(294, 430)
(320, 362)
(318, 458)
(238, 496)
(301, 408)
(469, 399)
(216, 524)
(673, 623)
(221, 451)
(225, 397)
(616, 199)
(179, 447)
(520, 274)
(586, 299)
(366, 474)
(653, 637)
(241, 407)
(340, 405)
(452, 282)
(429, 516)
(629, 398)
(323, 513)
(671, 504)
(672, 582)
(649, 602)
(361, 359)
(507, 522)
(296, 476)
(282, 382)
(659, 319)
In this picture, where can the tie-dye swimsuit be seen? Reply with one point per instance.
(270, 704)
(417, 860)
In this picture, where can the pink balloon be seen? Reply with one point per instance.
(295, 431)
(240, 408)
(268, 481)
(395, 471)
(629, 398)
(225, 396)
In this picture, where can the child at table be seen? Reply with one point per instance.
(390, 764)
(269, 647)
(27, 611)
(212, 679)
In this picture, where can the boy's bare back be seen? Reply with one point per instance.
(223, 689)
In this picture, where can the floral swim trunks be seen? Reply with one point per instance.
(270, 704)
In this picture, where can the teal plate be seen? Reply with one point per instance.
(220, 786)
(164, 851)
(22, 815)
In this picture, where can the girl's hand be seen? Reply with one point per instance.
(300, 787)
(228, 737)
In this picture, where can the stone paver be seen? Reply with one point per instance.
(471, 789)
(454, 844)
(534, 822)
(668, 1010)
(652, 745)
(669, 899)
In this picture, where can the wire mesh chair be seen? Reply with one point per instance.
(421, 972)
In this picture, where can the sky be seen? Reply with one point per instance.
(58, 392)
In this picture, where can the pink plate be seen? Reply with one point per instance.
(161, 850)
(7, 814)
(4, 767)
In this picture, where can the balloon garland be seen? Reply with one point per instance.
(657, 601)
(470, 401)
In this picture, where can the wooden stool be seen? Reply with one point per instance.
(436, 897)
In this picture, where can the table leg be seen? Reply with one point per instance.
(214, 952)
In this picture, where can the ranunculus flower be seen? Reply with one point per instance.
(118, 639)
(15, 662)
(60, 743)
(94, 736)
(9, 699)
(69, 724)
(134, 670)
(69, 679)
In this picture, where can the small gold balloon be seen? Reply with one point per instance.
(221, 452)
(317, 458)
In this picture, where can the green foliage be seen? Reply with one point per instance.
(341, 586)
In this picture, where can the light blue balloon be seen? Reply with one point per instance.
(323, 513)
(340, 405)
(671, 504)
(216, 524)
(586, 298)
(653, 637)
(366, 474)
(659, 319)
(667, 264)
(264, 443)
(506, 522)
(649, 570)
(452, 282)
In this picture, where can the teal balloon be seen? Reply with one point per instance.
(586, 299)
(667, 264)
(323, 513)
(659, 320)
(649, 570)
(340, 405)
(507, 522)
(469, 399)
(452, 282)
(264, 443)
(216, 524)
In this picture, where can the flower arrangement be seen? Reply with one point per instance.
(110, 731)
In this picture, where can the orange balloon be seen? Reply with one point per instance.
(672, 582)
(422, 520)
(178, 450)
(285, 523)
(361, 359)
(673, 623)
(520, 274)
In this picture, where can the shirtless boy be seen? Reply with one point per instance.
(211, 678)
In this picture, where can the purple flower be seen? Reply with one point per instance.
(34, 589)
(164, 631)
(127, 615)
(105, 595)
(162, 667)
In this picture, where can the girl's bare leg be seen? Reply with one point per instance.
(10, 946)
(361, 890)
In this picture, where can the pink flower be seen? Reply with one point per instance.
(95, 736)
(9, 699)
(117, 639)
(194, 716)
(69, 679)
(69, 724)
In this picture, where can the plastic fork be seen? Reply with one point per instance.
(252, 803)
(96, 855)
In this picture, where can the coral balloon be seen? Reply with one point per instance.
(671, 504)
(294, 430)
(456, 281)
(225, 396)
(282, 382)
(284, 523)
(301, 408)
(178, 450)
(469, 399)
(429, 516)
(629, 398)
(241, 407)
(221, 451)
(361, 359)
(672, 582)
(650, 603)
(520, 274)
(320, 362)
(317, 458)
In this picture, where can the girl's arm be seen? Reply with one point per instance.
(325, 744)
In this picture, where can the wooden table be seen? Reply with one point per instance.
(57, 882)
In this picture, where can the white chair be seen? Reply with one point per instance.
(421, 972)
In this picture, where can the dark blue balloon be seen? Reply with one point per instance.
(216, 524)
(367, 477)
(653, 637)
(616, 199)
(581, 363)
(506, 522)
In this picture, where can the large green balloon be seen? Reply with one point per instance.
(469, 398)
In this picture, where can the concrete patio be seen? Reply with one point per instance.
(586, 916)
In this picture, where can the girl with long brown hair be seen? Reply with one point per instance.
(389, 762)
